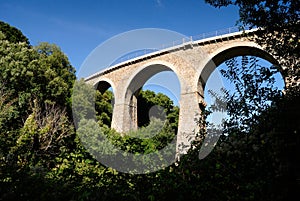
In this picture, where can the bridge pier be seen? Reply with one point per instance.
(189, 114)
(124, 117)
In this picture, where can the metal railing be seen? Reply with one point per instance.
(184, 40)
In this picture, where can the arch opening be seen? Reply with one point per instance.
(153, 93)
(231, 70)
(212, 90)
(104, 103)
(233, 52)
(235, 91)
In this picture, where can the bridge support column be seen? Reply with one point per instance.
(124, 117)
(189, 114)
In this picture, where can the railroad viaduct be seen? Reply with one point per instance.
(192, 61)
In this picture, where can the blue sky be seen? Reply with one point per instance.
(80, 26)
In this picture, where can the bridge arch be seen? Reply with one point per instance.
(192, 62)
(144, 73)
(102, 85)
(217, 57)
(231, 50)
(137, 80)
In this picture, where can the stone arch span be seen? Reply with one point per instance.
(144, 73)
(229, 51)
(189, 101)
(193, 63)
(103, 83)
(134, 84)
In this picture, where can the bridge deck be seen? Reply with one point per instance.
(186, 42)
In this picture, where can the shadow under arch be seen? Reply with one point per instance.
(137, 81)
(102, 86)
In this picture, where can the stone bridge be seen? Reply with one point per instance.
(192, 61)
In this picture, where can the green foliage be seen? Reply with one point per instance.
(147, 139)
(12, 34)
(253, 159)
(263, 13)
(31, 74)
(42, 158)
(266, 168)
(17, 66)
(57, 74)
(278, 23)
(34, 108)
(82, 101)
(104, 107)
(6, 107)
(147, 99)
(254, 91)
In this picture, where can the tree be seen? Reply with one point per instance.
(104, 107)
(6, 107)
(254, 158)
(254, 91)
(35, 95)
(12, 34)
(7, 111)
(148, 99)
(278, 22)
(45, 132)
(263, 13)
(272, 135)
(56, 77)
(17, 67)
(43, 73)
